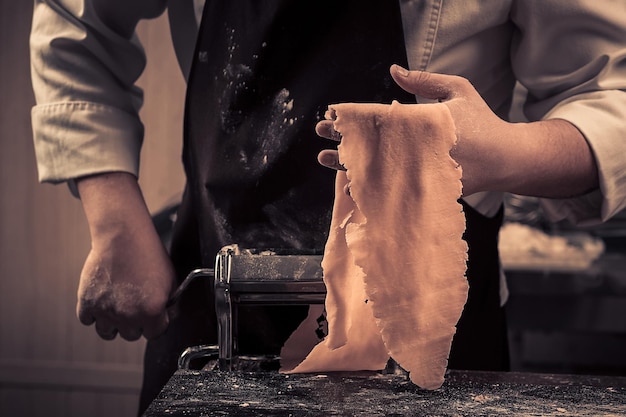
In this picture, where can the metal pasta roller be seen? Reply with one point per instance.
(253, 277)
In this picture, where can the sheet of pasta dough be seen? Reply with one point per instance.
(395, 261)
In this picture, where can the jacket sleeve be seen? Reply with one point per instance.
(570, 55)
(85, 59)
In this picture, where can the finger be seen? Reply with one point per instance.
(84, 314)
(130, 333)
(106, 329)
(425, 84)
(156, 328)
(330, 114)
(325, 129)
(330, 159)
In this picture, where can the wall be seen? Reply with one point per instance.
(51, 365)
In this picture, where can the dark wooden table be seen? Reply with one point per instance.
(465, 393)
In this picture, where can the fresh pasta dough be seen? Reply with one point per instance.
(395, 260)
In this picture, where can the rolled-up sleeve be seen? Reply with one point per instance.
(84, 70)
(572, 61)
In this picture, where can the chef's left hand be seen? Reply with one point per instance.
(547, 158)
(477, 126)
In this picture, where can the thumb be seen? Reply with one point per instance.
(424, 84)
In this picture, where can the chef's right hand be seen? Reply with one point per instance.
(128, 276)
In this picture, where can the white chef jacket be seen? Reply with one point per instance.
(570, 55)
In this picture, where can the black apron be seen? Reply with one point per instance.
(263, 75)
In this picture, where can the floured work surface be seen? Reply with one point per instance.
(464, 393)
(394, 264)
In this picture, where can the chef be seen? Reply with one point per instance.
(260, 77)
